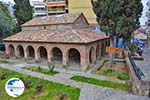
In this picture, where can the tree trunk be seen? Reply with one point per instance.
(111, 54)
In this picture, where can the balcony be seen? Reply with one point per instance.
(56, 12)
(55, 1)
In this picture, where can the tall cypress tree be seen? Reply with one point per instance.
(118, 17)
(22, 11)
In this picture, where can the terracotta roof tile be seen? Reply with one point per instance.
(60, 36)
(53, 19)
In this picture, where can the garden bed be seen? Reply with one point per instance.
(50, 90)
(39, 69)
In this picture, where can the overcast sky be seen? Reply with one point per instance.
(143, 19)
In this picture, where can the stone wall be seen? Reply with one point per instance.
(83, 49)
(138, 86)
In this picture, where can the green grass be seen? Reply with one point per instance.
(44, 71)
(6, 62)
(50, 89)
(114, 85)
(118, 75)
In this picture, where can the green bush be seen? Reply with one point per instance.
(38, 86)
(27, 83)
(51, 68)
(132, 47)
(123, 76)
(62, 95)
(3, 76)
(39, 68)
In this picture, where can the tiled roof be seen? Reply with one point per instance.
(53, 19)
(58, 36)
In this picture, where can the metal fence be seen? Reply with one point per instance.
(136, 69)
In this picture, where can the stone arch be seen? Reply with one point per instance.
(30, 52)
(20, 51)
(42, 53)
(57, 55)
(11, 50)
(74, 56)
(92, 55)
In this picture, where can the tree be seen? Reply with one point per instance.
(22, 11)
(118, 17)
(6, 23)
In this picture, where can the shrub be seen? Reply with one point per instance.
(39, 68)
(132, 48)
(27, 83)
(38, 86)
(2, 76)
(51, 68)
(123, 76)
(62, 95)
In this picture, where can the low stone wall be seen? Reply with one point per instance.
(139, 86)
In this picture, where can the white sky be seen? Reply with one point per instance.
(143, 19)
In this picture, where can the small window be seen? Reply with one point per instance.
(44, 27)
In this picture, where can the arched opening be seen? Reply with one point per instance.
(57, 55)
(43, 53)
(11, 50)
(74, 56)
(20, 51)
(91, 55)
(30, 52)
(98, 52)
(103, 50)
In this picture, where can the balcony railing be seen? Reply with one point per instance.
(55, 1)
(55, 12)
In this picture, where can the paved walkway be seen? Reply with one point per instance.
(145, 64)
(88, 91)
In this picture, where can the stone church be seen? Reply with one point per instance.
(65, 39)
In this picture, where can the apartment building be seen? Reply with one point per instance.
(39, 9)
(57, 6)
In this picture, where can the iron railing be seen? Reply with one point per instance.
(136, 69)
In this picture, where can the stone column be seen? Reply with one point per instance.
(16, 52)
(6, 49)
(93, 55)
(65, 58)
(100, 47)
(37, 55)
(25, 53)
(49, 56)
(84, 61)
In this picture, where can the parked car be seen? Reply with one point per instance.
(139, 42)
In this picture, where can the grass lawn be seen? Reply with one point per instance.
(50, 90)
(44, 71)
(118, 75)
(120, 86)
(6, 62)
